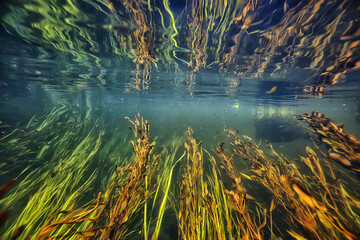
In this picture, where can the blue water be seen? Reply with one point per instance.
(84, 60)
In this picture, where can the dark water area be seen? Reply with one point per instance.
(245, 102)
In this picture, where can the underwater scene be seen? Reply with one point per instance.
(180, 119)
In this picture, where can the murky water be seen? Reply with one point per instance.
(237, 73)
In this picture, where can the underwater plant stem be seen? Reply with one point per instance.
(145, 209)
(163, 203)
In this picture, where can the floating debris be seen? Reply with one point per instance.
(272, 90)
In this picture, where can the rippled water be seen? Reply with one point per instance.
(73, 70)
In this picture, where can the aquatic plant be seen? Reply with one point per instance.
(316, 207)
(62, 180)
(212, 198)
(126, 193)
(4, 215)
(164, 181)
(205, 208)
(247, 228)
(191, 215)
(342, 147)
(126, 201)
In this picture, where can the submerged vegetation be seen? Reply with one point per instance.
(342, 147)
(75, 174)
(90, 186)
